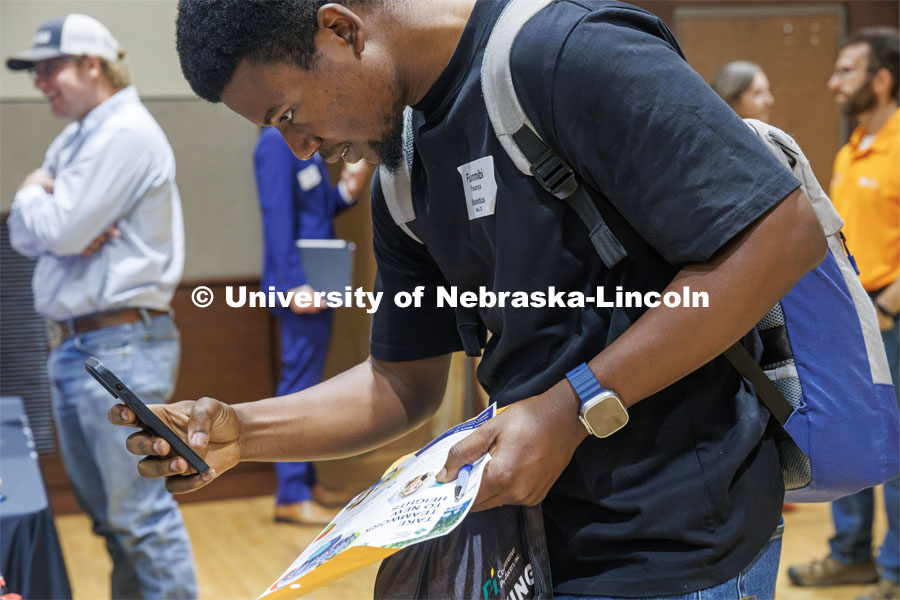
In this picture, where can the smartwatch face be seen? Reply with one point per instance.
(605, 416)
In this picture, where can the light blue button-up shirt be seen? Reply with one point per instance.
(114, 167)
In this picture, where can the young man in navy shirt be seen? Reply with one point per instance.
(687, 496)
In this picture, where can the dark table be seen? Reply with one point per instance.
(30, 556)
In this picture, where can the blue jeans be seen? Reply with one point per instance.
(144, 531)
(756, 580)
(852, 541)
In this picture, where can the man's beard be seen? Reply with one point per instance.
(861, 100)
(389, 149)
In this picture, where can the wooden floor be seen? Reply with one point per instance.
(239, 551)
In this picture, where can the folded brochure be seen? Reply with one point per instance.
(406, 506)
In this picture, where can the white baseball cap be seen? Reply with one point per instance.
(73, 35)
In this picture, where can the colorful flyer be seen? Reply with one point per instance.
(406, 506)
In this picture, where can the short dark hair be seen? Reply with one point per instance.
(884, 50)
(213, 36)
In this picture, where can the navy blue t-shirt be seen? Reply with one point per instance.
(690, 490)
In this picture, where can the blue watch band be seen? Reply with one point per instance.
(585, 383)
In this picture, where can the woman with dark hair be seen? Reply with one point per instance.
(745, 88)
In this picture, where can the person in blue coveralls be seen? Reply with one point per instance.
(298, 201)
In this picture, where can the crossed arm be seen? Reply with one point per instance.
(375, 401)
(75, 211)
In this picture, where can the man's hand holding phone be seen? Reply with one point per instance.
(210, 427)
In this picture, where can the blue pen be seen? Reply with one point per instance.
(462, 479)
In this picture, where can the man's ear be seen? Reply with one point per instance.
(345, 23)
(882, 81)
(92, 66)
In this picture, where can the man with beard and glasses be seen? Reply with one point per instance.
(607, 87)
(865, 189)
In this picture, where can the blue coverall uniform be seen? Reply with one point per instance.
(297, 201)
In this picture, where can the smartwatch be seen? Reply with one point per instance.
(602, 411)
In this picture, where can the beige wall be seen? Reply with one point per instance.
(213, 147)
(144, 28)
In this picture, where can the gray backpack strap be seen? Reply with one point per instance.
(507, 115)
(793, 158)
(396, 187)
(520, 140)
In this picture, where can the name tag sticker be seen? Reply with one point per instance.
(480, 186)
(868, 182)
(309, 177)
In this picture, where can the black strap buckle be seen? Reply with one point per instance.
(554, 175)
(788, 153)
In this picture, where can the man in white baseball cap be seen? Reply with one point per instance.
(66, 41)
(72, 35)
(102, 216)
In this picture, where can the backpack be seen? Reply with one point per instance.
(823, 373)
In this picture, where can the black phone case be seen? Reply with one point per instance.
(119, 390)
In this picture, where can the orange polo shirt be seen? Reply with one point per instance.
(865, 189)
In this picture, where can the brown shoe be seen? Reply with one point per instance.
(829, 571)
(307, 512)
(331, 498)
(885, 590)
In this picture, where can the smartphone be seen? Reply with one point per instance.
(119, 390)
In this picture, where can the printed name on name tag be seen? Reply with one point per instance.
(480, 186)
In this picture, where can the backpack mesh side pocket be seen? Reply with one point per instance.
(778, 363)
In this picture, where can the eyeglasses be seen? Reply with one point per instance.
(47, 68)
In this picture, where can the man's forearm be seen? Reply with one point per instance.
(21, 236)
(744, 280)
(358, 410)
(889, 298)
(41, 223)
